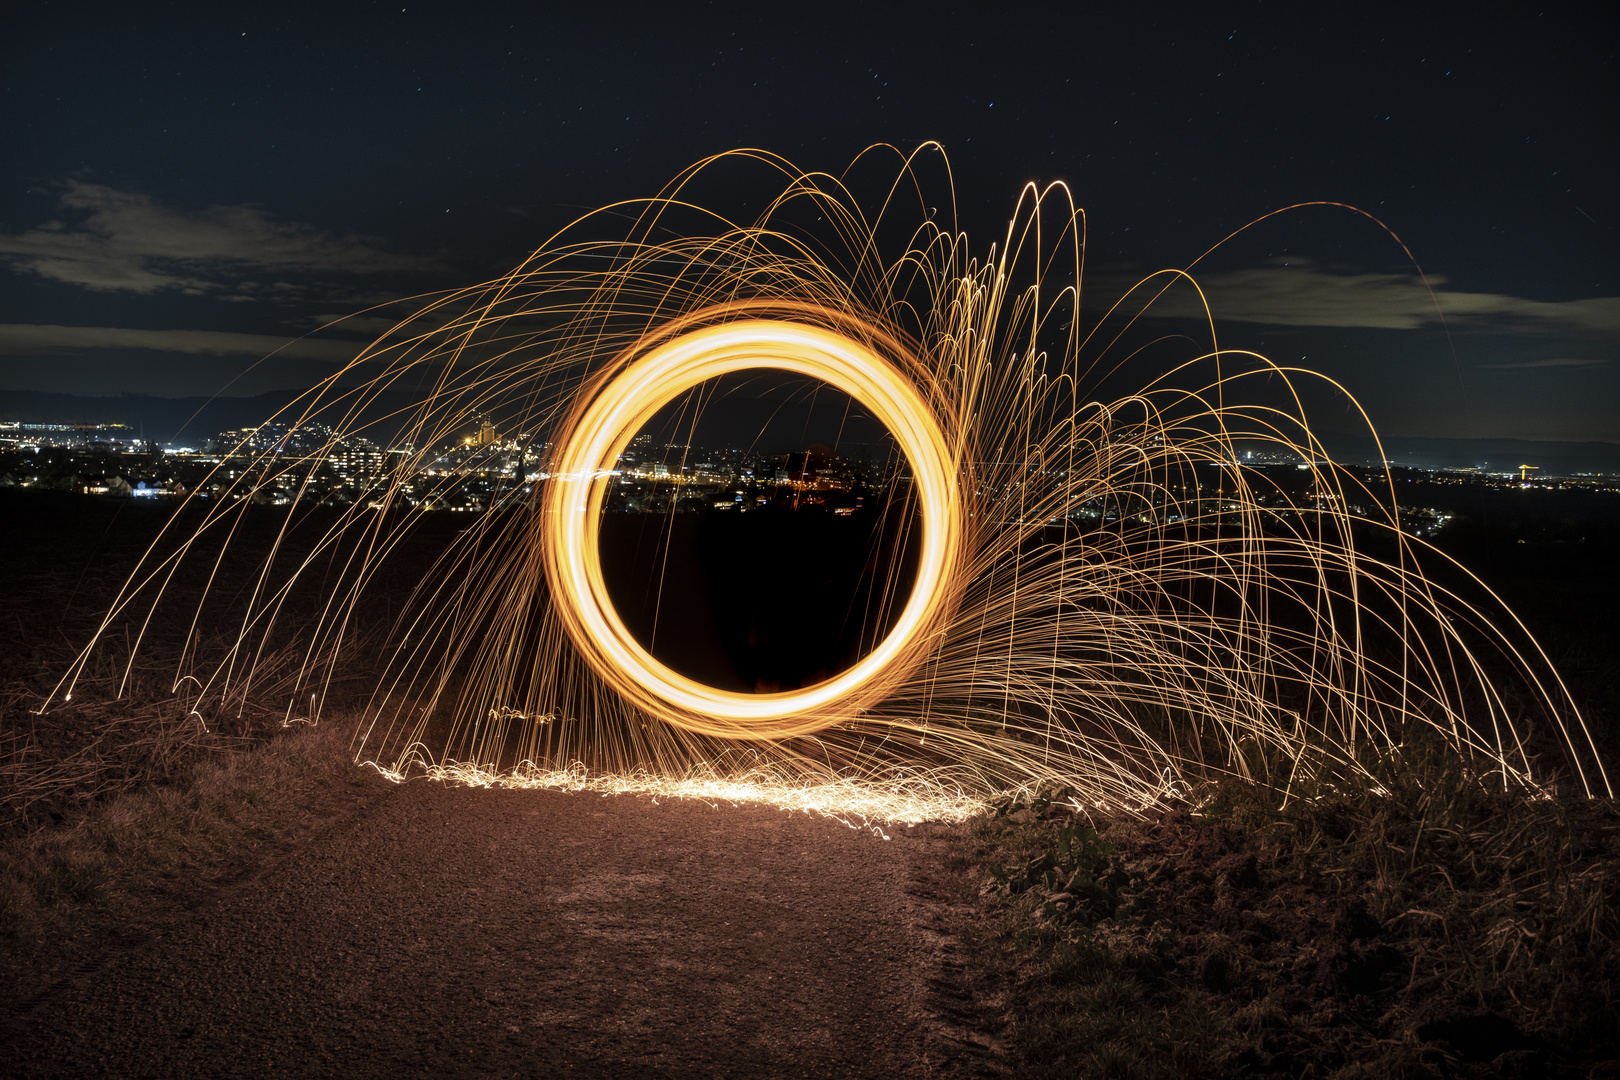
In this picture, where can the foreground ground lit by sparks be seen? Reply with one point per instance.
(868, 803)
(1109, 597)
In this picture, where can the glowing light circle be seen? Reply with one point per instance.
(602, 426)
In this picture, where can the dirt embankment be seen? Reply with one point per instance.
(450, 931)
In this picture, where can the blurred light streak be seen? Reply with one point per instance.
(1099, 607)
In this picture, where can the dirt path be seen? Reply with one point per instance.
(449, 931)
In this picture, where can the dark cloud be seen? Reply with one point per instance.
(24, 339)
(405, 317)
(1550, 362)
(121, 241)
(1299, 295)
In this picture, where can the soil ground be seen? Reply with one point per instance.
(431, 930)
(454, 931)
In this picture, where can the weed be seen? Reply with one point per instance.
(198, 825)
(1426, 925)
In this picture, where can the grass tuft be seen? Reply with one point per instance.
(1427, 925)
(199, 825)
(115, 736)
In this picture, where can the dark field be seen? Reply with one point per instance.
(1561, 576)
(749, 602)
(758, 601)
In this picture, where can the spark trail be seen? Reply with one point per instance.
(1091, 608)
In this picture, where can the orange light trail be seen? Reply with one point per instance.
(1109, 598)
(611, 416)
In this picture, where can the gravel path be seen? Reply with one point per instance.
(449, 931)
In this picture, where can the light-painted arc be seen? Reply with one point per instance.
(611, 419)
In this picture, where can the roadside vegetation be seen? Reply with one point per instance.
(1430, 925)
(132, 794)
(199, 815)
(1438, 928)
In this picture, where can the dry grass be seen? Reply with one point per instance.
(202, 822)
(56, 764)
(1437, 929)
(128, 798)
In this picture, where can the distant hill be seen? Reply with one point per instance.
(182, 420)
(163, 420)
(1495, 455)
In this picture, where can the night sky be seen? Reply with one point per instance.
(185, 187)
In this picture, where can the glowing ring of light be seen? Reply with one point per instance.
(608, 417)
